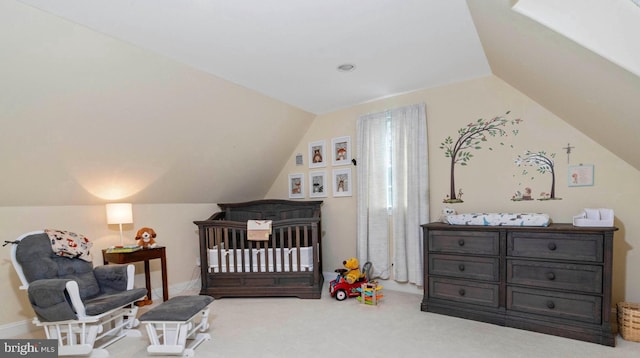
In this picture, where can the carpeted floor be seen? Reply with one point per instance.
(291, 327)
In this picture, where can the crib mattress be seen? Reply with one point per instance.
(255, 260)
(499, 219)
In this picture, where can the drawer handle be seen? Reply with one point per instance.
(461, 242)
(552, 246)
(551, 276)
(461, 267)
(461, 292)
(551, 305)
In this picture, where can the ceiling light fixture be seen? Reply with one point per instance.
(346, 67)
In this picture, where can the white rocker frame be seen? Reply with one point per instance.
(79, 337)
(170, 337)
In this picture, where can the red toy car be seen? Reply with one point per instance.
(341, 289)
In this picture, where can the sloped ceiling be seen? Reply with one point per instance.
(85, 119)
(591, 93)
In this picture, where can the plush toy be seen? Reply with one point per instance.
(445, 213)
(146, 237)
(353, 273)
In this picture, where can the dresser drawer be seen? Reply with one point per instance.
(464, 242)
(478, 268)
(583, 247)
(585, 278)
(574, 307)
(464, 291)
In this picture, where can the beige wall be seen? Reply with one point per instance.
(491, 178)
(488, 183)
(100, 119)
(172, 222)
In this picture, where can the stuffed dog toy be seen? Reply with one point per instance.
(146, 237)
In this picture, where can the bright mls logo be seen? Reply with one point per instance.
(40, 348)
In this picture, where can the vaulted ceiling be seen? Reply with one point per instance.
(287, 51)
(290, 49)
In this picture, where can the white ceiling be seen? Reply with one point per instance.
(289, 49)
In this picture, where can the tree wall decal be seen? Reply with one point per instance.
(471, 138)
(544, 164)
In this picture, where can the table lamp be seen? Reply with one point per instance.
(119, 213)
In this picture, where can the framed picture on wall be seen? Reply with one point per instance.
(318, 184)
(296, 186)
(342, 182)
(341, 150)
(317, 154)
(581, 175)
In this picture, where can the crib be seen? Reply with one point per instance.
(288, 264)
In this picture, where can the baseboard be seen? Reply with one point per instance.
(179, 289)
(16, 329)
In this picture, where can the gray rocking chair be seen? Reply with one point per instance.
(77, 304)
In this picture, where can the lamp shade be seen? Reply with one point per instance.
(119, 213)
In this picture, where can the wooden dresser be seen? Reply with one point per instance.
(554, 280)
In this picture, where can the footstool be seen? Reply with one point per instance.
(176, 320)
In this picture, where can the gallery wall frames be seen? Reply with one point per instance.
(341, 150)
(318, 184)
(296, 186)
(317, 154)
(341, 182)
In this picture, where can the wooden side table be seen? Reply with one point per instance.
(142, 255)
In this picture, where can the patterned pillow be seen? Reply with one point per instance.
(69, 244)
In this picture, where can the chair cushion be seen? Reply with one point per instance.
(179, 308)
(38, 262)
(106, 302)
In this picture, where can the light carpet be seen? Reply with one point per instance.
(292, 327)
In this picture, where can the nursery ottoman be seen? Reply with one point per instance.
(176, 320)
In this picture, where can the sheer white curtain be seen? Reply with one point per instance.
(392, 191)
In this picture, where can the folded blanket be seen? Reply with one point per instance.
(258, 230)
(499, 219)
(69, 244)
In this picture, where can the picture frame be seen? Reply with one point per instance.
(318, 184)
(296, 186)
(317, 154)
(342, 182)
(580, 175)
(341, 150)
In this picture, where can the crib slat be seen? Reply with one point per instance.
(218, 243)
(306, 242)
(226, 247)
(297, 252)
(240, 238)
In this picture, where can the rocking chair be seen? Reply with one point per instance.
(85, 308)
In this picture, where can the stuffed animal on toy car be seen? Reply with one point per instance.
(352, 272)
(146, 237)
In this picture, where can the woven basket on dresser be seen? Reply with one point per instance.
(629, 321)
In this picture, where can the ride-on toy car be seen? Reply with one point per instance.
(341, 289)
